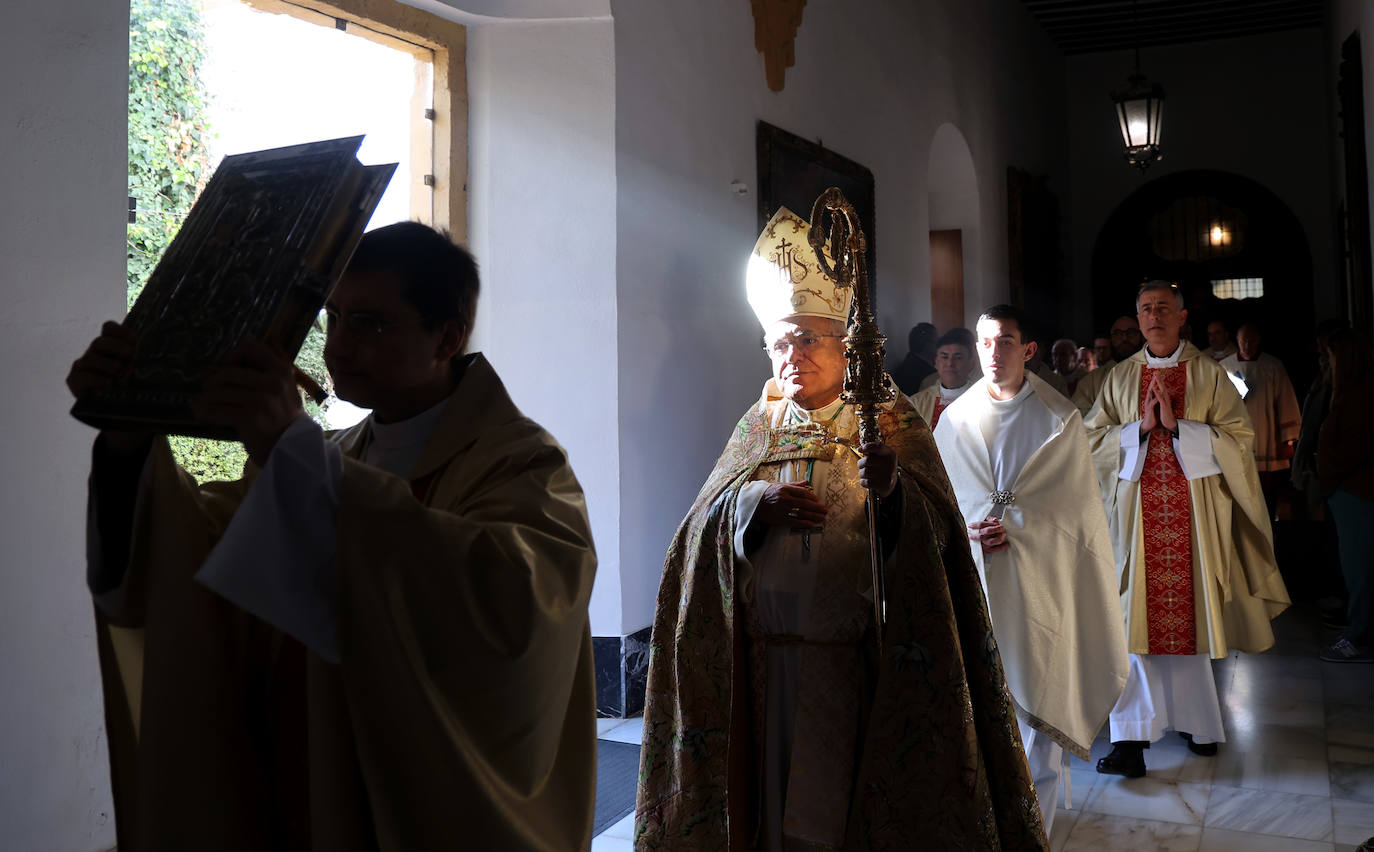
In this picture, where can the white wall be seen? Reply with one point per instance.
(690, 88)
(1258, 106)
(65, 64)
(542, 219)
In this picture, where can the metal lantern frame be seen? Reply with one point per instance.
(1140, 110)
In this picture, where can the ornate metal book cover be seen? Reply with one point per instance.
(255, 259)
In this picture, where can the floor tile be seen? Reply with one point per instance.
(1170, 760)
(1258, 770)
(1251, 689)
(1265, 812)
(1353, 781)
(1271, 663)
(1354, 821)
(605, 843)
(1063, 823)
(1308, 743)
(623, 828)
(1221, 840)
(1350, 724)
(1350, 754)
(1149, 799)
(1099, 832)
(629, 731)
(1295, 712)
(1084, 778)
(604, 725)
(1349, 683)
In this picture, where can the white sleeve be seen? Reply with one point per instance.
(1193, 446)
(750, 494)
(1132, 460)
(276, 558)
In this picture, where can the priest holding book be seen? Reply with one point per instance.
(377, 639)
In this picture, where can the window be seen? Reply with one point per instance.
(1238, 288)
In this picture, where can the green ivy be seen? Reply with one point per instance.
(168, 167)
(168, 130)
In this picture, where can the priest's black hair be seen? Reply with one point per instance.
(438, 277)
(1002, 313)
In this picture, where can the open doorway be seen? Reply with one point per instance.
(952, 187)
(210, 78)
(282, 74)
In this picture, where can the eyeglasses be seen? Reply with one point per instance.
(803, 343)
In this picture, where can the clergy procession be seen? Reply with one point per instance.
(886, 622)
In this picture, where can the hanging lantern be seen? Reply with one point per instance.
(1140, 109)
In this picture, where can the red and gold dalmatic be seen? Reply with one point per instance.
(1166, 513)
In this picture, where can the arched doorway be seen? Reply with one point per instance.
(952, 190)
(1233, 247)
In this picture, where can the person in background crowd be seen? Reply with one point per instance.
(1102, 351)
(1125, 341)
(1037, 365)
(919, 361)
(1345, 464)
(1320, 547)
(1219, 340)
(1087, 359)
(1271, 403)
(954, 367)
(964, 336)
(1064, 355)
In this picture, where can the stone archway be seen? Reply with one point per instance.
(1199, 227)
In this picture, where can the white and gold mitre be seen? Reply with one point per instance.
(784, 278)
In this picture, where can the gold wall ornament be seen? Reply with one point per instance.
(775, 32)
(866, 384)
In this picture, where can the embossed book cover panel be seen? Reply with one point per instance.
(255, 259)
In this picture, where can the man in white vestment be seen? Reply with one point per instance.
(1193, 544)
(1219, 341)
(954, 369)
(373, 630)
(1064, 358)
(1018, 458)
(1125, 341)
(1270, 401)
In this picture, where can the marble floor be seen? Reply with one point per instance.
(1296, 772)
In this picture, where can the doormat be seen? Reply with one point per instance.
(617, 775)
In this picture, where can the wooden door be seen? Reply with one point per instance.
(947, 279)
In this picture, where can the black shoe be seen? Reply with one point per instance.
(1345, 651)
(1127, 759)
(1204, 749)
